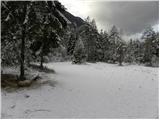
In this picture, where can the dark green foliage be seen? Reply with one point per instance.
(89, 35)
(150, 45)
(129, 57)
(71, 44)
(17, 19)
(79, 55)
(28, 27)
(49, 22)
(135, 52)
(121, 52)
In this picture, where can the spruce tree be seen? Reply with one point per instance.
(50, 21)
(120, 52)
(90, 36)
(129, 57)
(79, 55)
(25, 21)
(72, 41)
(16, 17)
(114, 39)
(149, 36)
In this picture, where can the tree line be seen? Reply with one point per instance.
(110, 47)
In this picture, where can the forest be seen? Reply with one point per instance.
(35, 34)
(39, 32)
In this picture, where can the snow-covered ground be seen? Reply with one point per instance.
(94, 90)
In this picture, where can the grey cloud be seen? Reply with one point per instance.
(132, 17)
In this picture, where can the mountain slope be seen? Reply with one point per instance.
(79, 21)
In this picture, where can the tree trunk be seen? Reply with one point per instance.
(41, 56)
(22, 53)
(120, 58)
(23, 43)
(120, 62)
(41, 64)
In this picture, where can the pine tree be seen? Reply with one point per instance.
(22, 21)
(149, 36)
(155, 53)
(72, 40)
(17, 13)
(79, 55)
(90, 36)
(129, 57)
(114, 40)
(50, 20)
(104, 46)
(120, 52)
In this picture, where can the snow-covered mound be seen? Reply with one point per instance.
(97, 90)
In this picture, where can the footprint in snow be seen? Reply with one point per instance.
(13, 106)
(26, 96)
(140, 86)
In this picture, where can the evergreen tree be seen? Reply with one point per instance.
(120, 52)
(72, 40)
(16, 18)
(23, 21)
(155, 44)
(149, 36)
(90, 36)
(49, 21)
(114, 39)
(138, 51)
(129, 57)
(79, 55)
(104, 46)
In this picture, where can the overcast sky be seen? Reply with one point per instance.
(132, 17)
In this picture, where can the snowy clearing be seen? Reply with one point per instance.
(94, 90)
